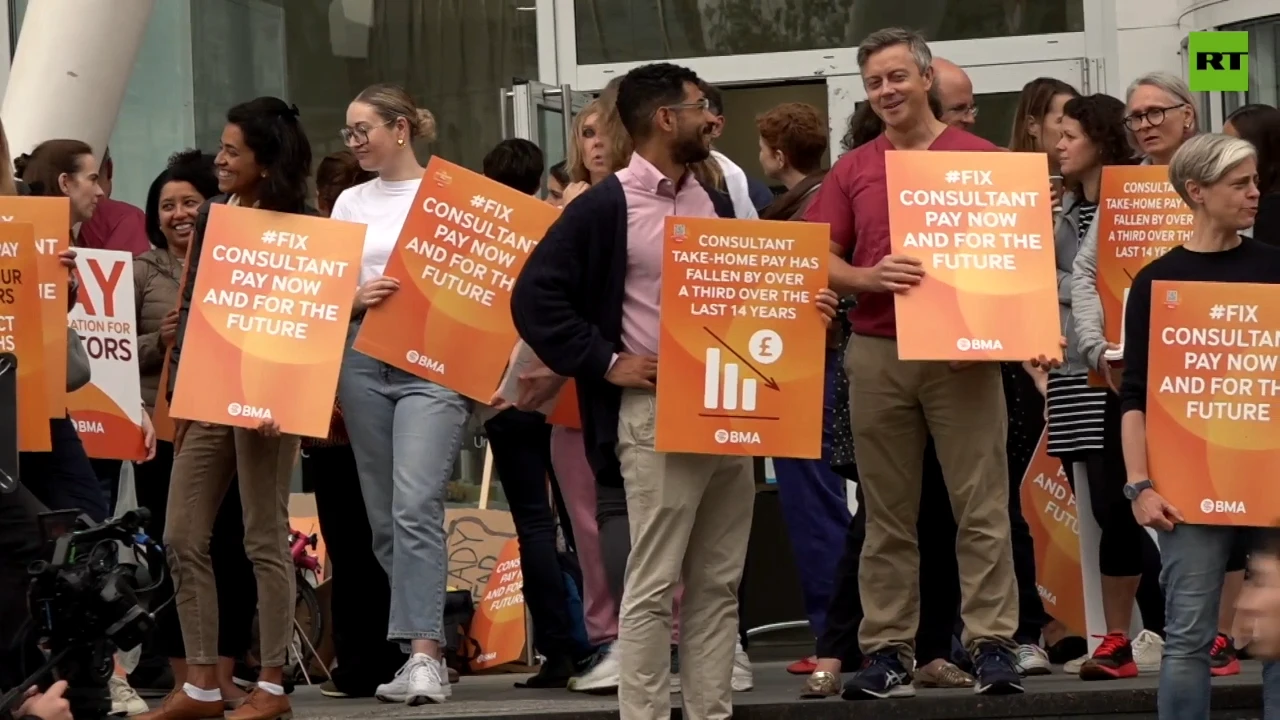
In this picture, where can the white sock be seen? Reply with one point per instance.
(421, 657)
(272, 688)
(195, 693)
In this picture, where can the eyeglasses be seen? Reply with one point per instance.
(1154, 116)
(359, 134)
(965, 110)
(702, 104)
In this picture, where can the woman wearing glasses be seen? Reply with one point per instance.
(405, 431)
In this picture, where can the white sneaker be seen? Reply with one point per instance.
(125, 701)
(1148, 648)
(1033, 660)
(1072, 667)
(601, 678)
(743, 680)
(421, 680)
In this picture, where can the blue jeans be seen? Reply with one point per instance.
(405, 433)
(815, 507)
(63, 478)
(1194, 559)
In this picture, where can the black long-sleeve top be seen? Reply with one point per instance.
(1252, 261)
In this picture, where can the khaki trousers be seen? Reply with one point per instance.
(690, 518)
(210, 457)
(895, 406)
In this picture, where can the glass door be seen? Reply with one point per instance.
(995, 88)
(544, 114)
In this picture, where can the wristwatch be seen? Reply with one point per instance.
(1133, 490)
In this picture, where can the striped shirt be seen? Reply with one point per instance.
(1077, 414)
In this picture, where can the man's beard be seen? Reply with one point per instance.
(691, 149)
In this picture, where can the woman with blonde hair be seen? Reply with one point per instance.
(1160, 117)
(405, 431)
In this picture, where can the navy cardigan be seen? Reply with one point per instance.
(567, 305)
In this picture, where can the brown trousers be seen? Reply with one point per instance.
(210, 457)
(895, 406)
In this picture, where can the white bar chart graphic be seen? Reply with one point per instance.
(721, 389)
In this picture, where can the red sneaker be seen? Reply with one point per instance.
(1223, 658)
(809, 664)
(1113, 659)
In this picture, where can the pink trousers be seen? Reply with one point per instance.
(578, 487)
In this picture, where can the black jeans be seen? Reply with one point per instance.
(361, 591)
(19, 547)
(236, 607)
(939, 578)
(521, 443)
(63, 478)
(1025, 409)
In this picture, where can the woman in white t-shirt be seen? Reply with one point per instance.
(405, 431)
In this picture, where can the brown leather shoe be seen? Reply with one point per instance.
(178, 705)
(262, 705)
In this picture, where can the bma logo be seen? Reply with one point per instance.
(249, 411)
(968, 344)
(1219, 61)
(1229, 507)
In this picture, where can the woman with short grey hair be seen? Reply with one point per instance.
(1216, 175)
(1161, 116)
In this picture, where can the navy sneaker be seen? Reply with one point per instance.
(995, 671)
(882, 676)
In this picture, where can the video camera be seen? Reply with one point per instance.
(87, 600)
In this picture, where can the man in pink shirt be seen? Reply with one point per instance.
(896, 405)
(587, 303)
(115, 225)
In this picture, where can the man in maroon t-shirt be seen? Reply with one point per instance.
(896, 404)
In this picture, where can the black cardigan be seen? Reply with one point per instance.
(567, 305)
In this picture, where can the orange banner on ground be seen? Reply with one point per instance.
(22, 332)
(108, 411)
(268, 320)
(982, 225)
(1049, 507)
(51, 219)
(741, 345)
(1213, 400)
(498, 627)
(1141, 218)
(463, 244)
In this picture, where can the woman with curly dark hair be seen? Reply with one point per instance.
(1084, 421)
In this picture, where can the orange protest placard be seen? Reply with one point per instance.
(21, 332)
(982, 225)
(1140, 219)
(51, 219)
(463, 244)
(498, 627)
(741, 345)
(268, 320)
(565, 412)
(1213, 400)
(1049, 507)
(161, 420)
(107, 412)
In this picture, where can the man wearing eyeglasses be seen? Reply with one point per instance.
(954, 90)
